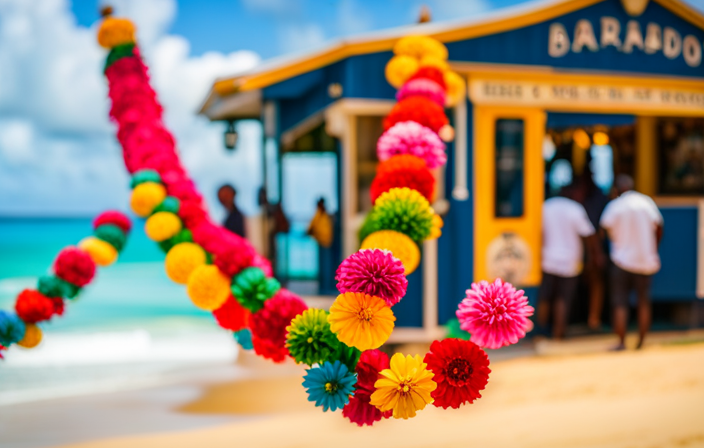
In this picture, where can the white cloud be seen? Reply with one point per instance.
(58, 153)
(297, 38)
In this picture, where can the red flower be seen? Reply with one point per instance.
(191, 213)
(58, 305)
(115, 218)
(232, 316)
(371, 362)
(32, 306)
(74, 266)
(1, 350)
(231, 258)
(461, 370)
(268, 325)
(358, 410)
(419, 109)
(432, 74)
(420, 179)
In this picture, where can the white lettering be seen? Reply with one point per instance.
(610, 31)
(671, 43)
(584, 36)
(692, 51)
(653, 38)
(634, 38)
(558, 42)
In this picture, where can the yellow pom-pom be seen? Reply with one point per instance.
(456, 88)
(102, 252)
(162, 225)
(208, 288)
(420, 47)
(399, 69)
(145, 197)
(32, 336)
(435, 231)
(182, 260)
(432, 61)
(114, 32)
(400, 245)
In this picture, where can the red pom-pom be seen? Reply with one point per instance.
(2, 347)
(431, 73)
(269, 324)
(359, 410)
(232, 316)
(58, 305)
(191, 213)
(371, 362)
(419, 109)
(113, 217)
(74, 266)
(32, 306)
(417, 178)
(232, 258)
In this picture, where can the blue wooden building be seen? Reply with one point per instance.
(552, 88)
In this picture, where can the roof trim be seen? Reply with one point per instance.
(508, 19)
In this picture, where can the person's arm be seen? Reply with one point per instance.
(594, 253)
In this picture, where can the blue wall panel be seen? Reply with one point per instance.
(409, 311)
(677, 279)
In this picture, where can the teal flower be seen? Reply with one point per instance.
(309, 339)
(330, 385)
(53, 286)
(11, 328)
(251, 288)
(244, 339)
(112, 235)
(169, 204)
(147, 175)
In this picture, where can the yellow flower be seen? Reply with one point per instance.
(32, 336)
(400, 245)
(405, 387)
(182, 260)
(162, 225)
(433, 61)
(102, 253)
(145, 197)
(399, 69)
(435, 232)
(420, 46)
(207, 287)
(361, 320)
(115, 31)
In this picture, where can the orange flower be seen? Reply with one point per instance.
(361, 320)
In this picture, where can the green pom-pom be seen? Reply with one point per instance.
(402, 215)
(348, 356)
(454, 331)
(143, 176)
(309, 338)
(52, 286)
(112, 235)
(251, 288)
(117, 53)
(184, 236)
(244, 339)
(169, 204)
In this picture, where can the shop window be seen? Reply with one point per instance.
(510, 136)
(681, 149)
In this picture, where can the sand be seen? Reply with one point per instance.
(652, 398)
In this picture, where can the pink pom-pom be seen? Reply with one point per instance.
(74, 266)
(495, 314)
(232, 258)
(262, 263)
(115, 218)
(422, 87)
(375, 272)
(409, 137)
(268, 325)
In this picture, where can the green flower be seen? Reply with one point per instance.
(348, 356)
(52, 286)
(309, 339)
(402, 214)
(169, 204)
(251, 288)
(184, 236)
(117, 53)
(112, 235)
(142, 176)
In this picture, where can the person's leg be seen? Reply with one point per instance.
(544, 298)
(595, 277)
(619, 298)
(642, 286)
(565, 289)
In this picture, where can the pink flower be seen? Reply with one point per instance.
(409, 137)
(375, 272)
(422, 87)
(495, 314)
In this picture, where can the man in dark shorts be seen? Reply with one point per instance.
(634, 225)
(235, 219)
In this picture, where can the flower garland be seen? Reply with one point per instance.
(74, 268)
(224, 274)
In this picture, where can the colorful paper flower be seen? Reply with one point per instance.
(162, 225)
(368, 369)
(418, 109)
(417, 178)
(399, 69)
(309, 339)
(495, 314)
(431, 73)
(52, 286)
(74, 266)
(145, 197)
(111, 234)
(235, 259)
(32, 336)
(251, 288)
(208, 288)
(232, 316)
(244, 339)
(329, 385)
(359, 410)
(374, 272)
(419, 46)
(182, 260)
(400, 246)
(102, 252)
(405, 387)
(12, 328)
(461, 370)
(403, 210)
(170, 204)
(422, 87)
(268, 325)
(114, 218)
(145, 175)
(32, 306)
(115, 31)
(360, 320)
(184, 236)
(409, 137)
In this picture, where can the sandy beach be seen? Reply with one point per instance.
(650, 398)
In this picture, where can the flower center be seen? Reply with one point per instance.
(500, 309)
(330, 388)
(365, 314)
(310, 340)
(404, 387)
(458, 372)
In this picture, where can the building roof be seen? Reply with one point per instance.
(493, 22)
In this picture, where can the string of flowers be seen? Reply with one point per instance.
(73, 269)
(223, 273)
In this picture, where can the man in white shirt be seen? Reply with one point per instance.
(634, 225)
(566, 229)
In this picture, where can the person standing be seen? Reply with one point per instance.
(234, 222)
(566, 230)
(634, 226)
